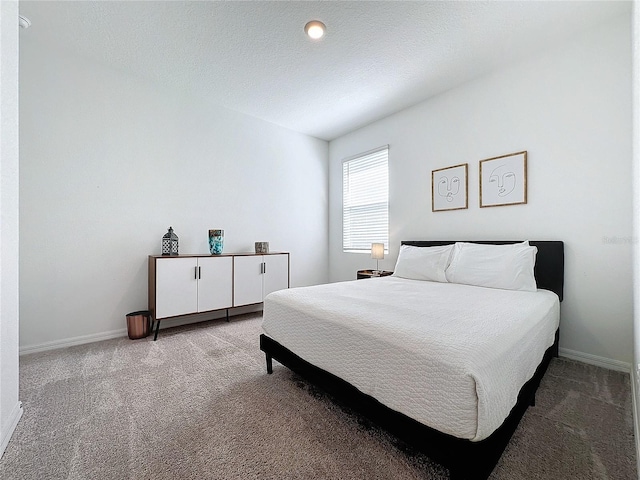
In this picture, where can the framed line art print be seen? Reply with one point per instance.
(503, 180)
(449, 188)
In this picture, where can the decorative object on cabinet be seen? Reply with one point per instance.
(262, 247)
(192, 284)
(377, 253)
(170, 243)
(216, 241)
(449, 188)
(503, 180)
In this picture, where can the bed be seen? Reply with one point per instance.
(419, 359)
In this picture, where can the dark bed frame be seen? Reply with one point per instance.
(464, 459)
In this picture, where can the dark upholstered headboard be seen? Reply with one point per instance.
(549, 268)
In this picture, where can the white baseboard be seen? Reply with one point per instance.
(596, 360)
(14, 418)
(122, 332)
(70, 342)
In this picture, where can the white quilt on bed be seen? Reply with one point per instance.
(451, 356)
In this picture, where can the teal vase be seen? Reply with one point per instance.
(216, 241)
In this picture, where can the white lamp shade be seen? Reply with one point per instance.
(377, 251)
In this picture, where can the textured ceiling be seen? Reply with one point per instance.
(253, 56)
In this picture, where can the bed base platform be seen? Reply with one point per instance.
(466, 460)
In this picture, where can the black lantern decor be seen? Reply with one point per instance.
(170, 243)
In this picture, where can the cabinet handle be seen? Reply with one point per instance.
(199, 272)
(195, 273)
(265, 267)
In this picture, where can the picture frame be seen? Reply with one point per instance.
(449, 188)
(503, 180)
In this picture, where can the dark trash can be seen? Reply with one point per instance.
(138, 324)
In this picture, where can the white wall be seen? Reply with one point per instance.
(571, 110)
(109, 162)
(10, 407)
(635, 377)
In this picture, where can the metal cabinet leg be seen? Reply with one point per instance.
(155, 337)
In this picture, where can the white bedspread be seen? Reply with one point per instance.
(450, 356)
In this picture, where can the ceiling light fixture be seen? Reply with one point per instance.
(315, 29)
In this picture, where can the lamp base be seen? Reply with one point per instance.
(376, 272)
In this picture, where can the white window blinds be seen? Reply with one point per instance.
(365, 201)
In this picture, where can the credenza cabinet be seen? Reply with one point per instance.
(189, 284)
(257, 276)
(192, 285)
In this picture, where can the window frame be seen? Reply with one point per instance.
(382, 235)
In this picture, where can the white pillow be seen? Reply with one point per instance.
(423, 263)
(496, 266)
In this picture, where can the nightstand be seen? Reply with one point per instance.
(369, 274)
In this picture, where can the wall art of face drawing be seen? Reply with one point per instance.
(449, 187)
(503, 179)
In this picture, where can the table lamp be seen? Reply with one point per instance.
(377, 253)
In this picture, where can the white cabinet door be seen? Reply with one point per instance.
(276, 273)
(247, 280)
(215, 283)
(176, 287)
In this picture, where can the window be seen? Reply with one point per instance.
(365, 201)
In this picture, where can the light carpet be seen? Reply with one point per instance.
(198, 404)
